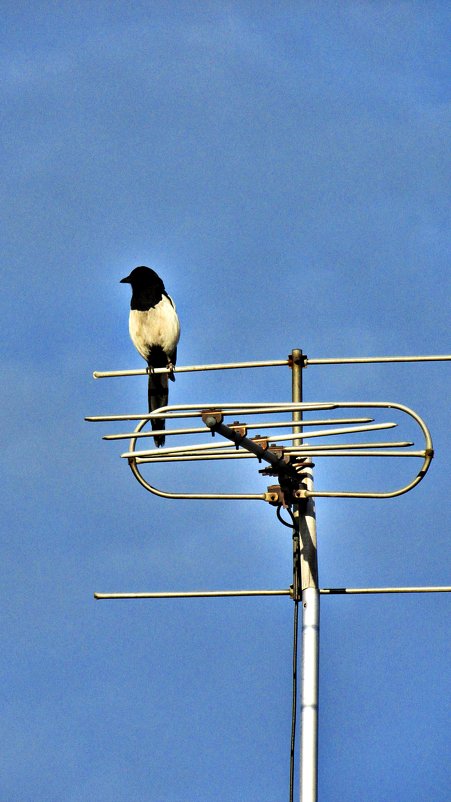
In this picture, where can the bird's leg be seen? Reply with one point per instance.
(170, 367)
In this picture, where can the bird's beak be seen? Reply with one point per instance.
(125, 280)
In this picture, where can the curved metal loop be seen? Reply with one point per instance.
(427, 453)
(134, 468)
(203, 452)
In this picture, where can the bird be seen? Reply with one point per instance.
(154, 331)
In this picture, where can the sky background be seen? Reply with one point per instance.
(284, 167)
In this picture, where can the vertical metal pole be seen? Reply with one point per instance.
(296, 397)
(306, 524)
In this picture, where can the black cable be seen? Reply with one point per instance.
(294, 697)
(278, 513)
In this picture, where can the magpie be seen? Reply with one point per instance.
(154, 330)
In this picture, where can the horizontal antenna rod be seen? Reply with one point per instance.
(226, 449)
(279, 438)
(419, 589)
(199, 594)
(109, 374)
(245, 455)
(272, 363)
(271, 425)
(196, 594)
(195, 410)
(358, 360)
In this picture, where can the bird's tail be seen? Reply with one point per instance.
(158, 397)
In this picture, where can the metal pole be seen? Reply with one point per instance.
(306, 523)
(266, 454)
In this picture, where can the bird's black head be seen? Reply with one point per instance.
(147, 288)
(142, 278)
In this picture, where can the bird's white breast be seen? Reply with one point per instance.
(156, 326)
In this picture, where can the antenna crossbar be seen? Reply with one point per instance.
(352, 360)
(200, 594)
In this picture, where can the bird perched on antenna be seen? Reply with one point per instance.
(154, 330)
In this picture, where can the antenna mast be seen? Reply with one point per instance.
(305, 586)
(293, 466)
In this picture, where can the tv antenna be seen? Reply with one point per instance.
(288, 458)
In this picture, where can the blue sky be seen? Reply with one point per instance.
(285, 168)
